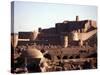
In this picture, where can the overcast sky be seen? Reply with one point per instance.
(28, 16)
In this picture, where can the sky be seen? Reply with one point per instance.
(29, 16)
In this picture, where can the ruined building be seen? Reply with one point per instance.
(67, 33)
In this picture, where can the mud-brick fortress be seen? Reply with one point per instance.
(67, 33)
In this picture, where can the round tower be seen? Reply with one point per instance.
(65, 41)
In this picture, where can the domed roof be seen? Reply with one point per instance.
(34, 53)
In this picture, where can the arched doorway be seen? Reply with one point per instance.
(65, 57)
